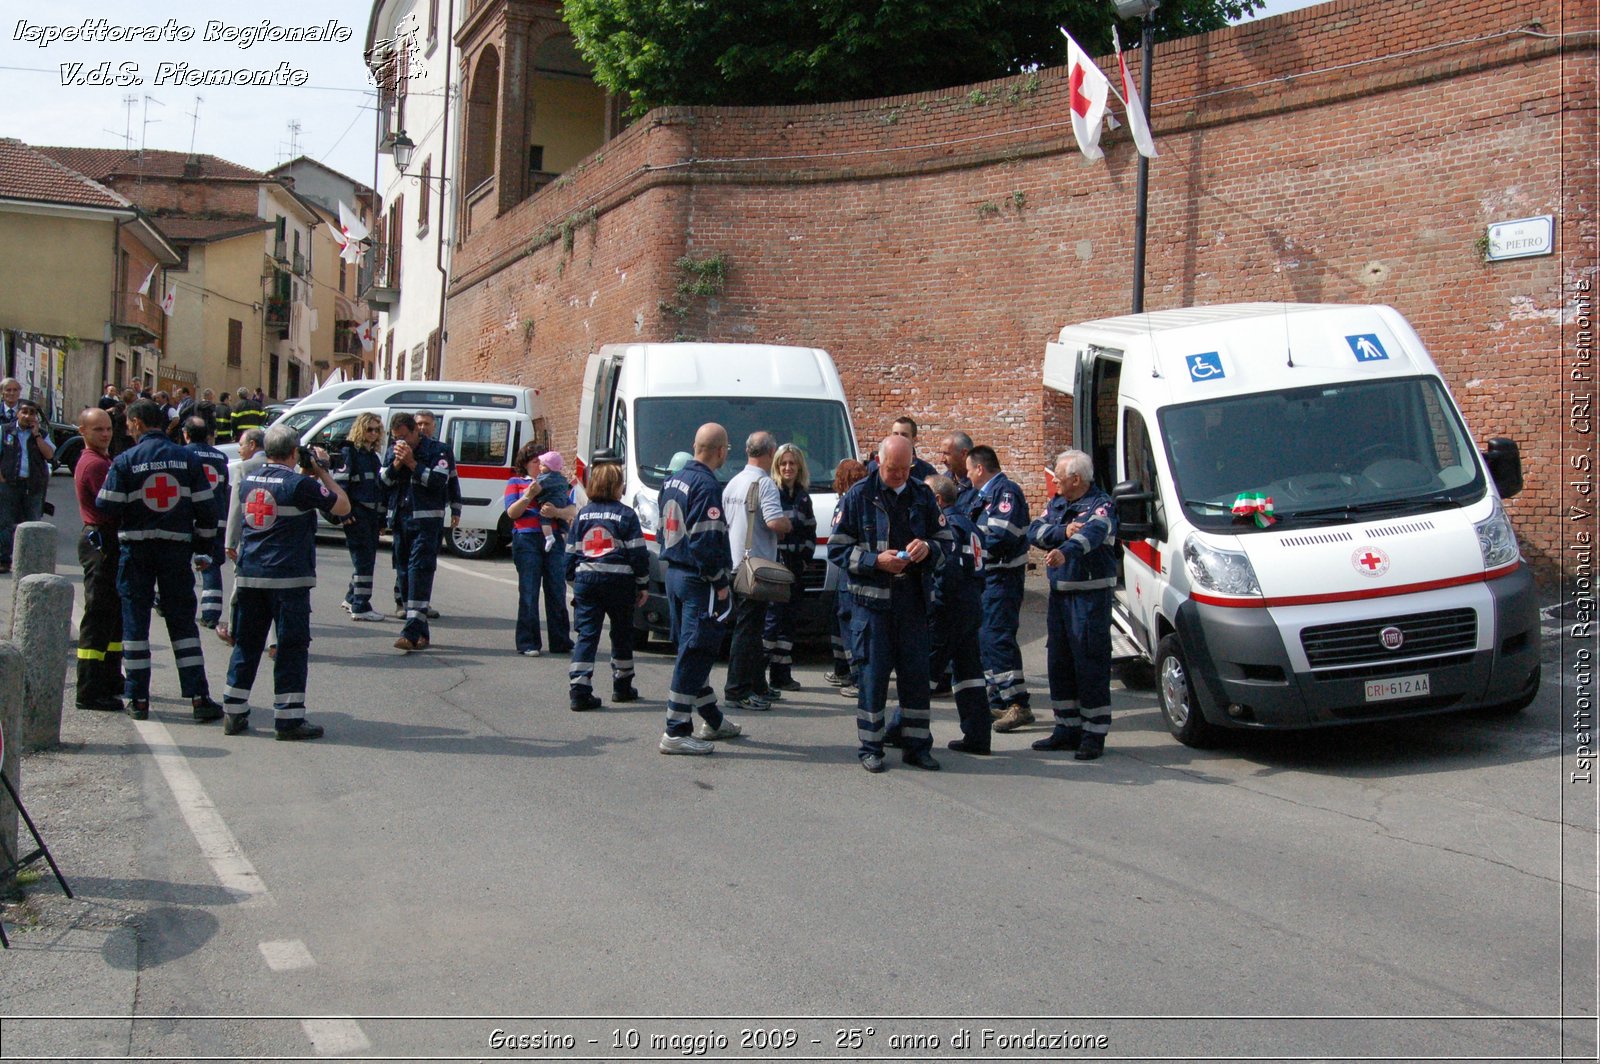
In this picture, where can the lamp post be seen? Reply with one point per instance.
(1146, 11)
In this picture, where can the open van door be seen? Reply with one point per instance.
(594, 409)
(484, 443)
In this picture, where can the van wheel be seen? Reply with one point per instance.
(473, 542)
(1179, 706)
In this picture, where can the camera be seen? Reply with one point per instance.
(307, 458)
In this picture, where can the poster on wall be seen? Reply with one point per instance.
(40, 367)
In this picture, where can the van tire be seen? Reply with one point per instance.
(1175, 692)
(473, 542)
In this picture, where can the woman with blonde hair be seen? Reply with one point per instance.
(356, 470)
(796, 548)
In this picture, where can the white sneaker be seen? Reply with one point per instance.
(726, 730)
(531, 653)
(369, 615)
(345, 606)
(684, 744)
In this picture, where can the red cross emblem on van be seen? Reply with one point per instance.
(1370, 561)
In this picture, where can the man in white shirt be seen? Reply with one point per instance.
(747, 666)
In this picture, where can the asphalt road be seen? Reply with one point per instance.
(462, 855)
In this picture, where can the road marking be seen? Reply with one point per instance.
(287, 956)
(330, 1037)
(217, 844)
(453, 567)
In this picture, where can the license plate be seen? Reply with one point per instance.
(1398, 687)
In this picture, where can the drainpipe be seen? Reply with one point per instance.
(444, 275)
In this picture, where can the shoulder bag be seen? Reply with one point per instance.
(759, 578)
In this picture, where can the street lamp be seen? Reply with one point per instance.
(402, 147)
(1145, 10)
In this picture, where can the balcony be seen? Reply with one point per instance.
(300, 265)
(379, 281)
(277, 315)
(139, 317)
(280, 250)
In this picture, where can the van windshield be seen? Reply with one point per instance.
(665, 426)
(1324, 454)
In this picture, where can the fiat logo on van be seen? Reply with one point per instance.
(1391, 637)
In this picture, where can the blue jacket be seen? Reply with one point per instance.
(278, 543)
(961, 581)
(694, 530)
(1002, 520)
(1091, 555)
(861, 533)
(800, 545)
(606, 545)
(359, 473)
(216, 470)
(425, 492)
(158, 490)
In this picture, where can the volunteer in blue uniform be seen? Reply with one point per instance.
(905, 426)
(694, 547)
(609, 570)
(276, 571)
(198, 432)
(167, 517)
(417, 471)
(1079, 531)
(953, 448)
(960, 607)
(1002, 521)
(357, 469)
(889, 535)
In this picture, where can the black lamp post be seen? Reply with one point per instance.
(1145, 10)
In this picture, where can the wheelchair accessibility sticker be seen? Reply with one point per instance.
(1367, 348)
(1205, 367)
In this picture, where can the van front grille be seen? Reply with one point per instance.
(1332, 646)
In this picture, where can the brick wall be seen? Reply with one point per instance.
(1352, 152)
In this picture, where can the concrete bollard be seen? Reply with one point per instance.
(32, 551)
(13, 683)
(42, 626)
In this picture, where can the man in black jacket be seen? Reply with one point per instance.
(25, 453)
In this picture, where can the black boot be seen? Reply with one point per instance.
(1092, 746)
(583, 699)
(624, 692)
(1063, 738)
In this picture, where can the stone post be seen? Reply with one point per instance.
(33, 551)
(12, 686)
(41, 628)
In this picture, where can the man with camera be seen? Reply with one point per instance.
(276, 571)
(25, 453)
(418, 471)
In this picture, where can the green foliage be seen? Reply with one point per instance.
(663, 52)
(702, 277)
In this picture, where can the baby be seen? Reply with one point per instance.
(553, 489)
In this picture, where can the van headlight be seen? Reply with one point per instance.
(649, 516)
(1214, 569)
(1496, 539)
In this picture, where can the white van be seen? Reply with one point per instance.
(643, 403)
(1387, 581)
(484, 425)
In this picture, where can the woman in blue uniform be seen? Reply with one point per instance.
(609, 572)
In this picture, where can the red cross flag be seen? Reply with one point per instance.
(161, 492)
(168, 301)
(1089, 89)
(1138, 124)
(367, 334)
(352, 234)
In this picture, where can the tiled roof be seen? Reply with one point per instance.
(28, 174)
(102, 163)
(189, 230)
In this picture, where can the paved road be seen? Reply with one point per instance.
(462, 855)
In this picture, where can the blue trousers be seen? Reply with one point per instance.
(839, 628)
(416, 545)
(211, 586)
(1078, 646)
(699, 635)
(361, 539)
(777, 639)
(256, 610)
(540, 571)
(145, 567)
(893, 641)
(597, 600)
(997, 639)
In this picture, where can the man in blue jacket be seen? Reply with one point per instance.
(418, 471)
(1002, 520)
(1079, 531)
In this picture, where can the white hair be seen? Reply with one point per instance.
(1076, 462)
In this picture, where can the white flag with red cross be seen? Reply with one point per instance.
(351, 234)
(1138, 124)
(1088, 90)
(169, 301)
(367, 333)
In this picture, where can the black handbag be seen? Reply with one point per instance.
(758, 578)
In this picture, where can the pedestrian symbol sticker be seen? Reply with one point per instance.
(1205, 367)
(1367, 348)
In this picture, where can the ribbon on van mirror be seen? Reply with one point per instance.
(1256, 507)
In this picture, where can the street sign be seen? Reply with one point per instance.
(1522, 238)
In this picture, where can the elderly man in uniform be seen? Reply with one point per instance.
(277, 570)
(10, 396)
(889, 535)
(1002, 520)
(694, 546)
(100, 629)
(1079, 531)
(166, 515)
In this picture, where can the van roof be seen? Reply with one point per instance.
(1199, 353)
(448, 395)
(728, 369)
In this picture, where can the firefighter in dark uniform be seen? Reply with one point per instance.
(198, 433)
(889, 535)
(608, 568)
(276, 571)
(162, 500)
(1079, 531)
(957, 616)
(247, 414)
(417, 471)
(694, 547)
(1002, 520)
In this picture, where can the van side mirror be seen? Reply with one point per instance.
(1133, 510)
(1505, 465)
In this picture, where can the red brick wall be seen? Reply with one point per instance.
(1352, 152)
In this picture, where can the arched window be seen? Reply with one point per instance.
(483, 117)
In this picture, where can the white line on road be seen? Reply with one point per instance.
(287, 956)
(453, 567)
(334, 1036)
(217, 843)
